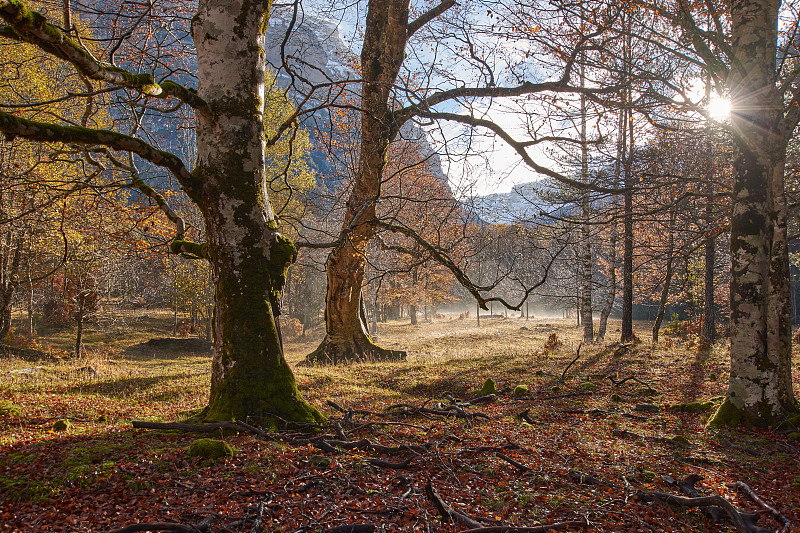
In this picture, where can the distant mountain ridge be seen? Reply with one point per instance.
(525, 203)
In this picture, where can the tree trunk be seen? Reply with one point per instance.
(31, 329)
(709, 323)
(612, 285)
(79, 318)
(627, 252)
(375, 314)
(662, 304)
(250, 378)
(382, 54)
(627, 219)
(759, 389)
(412, 312)
(586, 263)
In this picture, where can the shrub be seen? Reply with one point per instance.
(552, 342)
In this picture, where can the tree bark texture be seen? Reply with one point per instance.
(709, 320)
(759, 389)
(627, 218)
(611, 295)
(250, 378)
(586, 240)
(383, 52)
(627, 250)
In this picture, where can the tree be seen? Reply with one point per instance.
(760, 387)
(747, 55)
(249, 255)
(388, 101)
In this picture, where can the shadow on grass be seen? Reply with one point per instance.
(42, 470)
(124, 386)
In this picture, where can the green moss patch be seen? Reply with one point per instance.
(692, 407)
(9, 409)
(62, 425)
(489, 387)
(209, 449)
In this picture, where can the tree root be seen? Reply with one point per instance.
(344, 353)
(404, 409)
(743, 522)
(447, 513)
(787, 525)
(473, 522)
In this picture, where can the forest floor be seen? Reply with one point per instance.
(590, 439)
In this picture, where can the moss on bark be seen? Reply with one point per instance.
(730, 415)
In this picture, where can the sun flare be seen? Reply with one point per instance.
(719, 107)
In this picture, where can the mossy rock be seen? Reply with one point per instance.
(794, 436)
(209, 449)
(692, 407)
(616, 398)
(489, 387)
(587, 386)
(648, 476)
(320, 461)
(681, 440)
(520, 390)
(62, 425)
(796, 482)
(9, 409)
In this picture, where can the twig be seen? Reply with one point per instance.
(525, 415)
(212, 427)
(533, 529)
(386, 464)
(744, 449)
(577, 356)
(351, 528)
(753, 496)
(513, 462)
(617, 383)
(355, 411)
(446, 512)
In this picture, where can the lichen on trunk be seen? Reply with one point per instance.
(251, 379)
(759, 388)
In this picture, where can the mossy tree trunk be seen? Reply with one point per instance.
(759, 389)
(250, 378)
